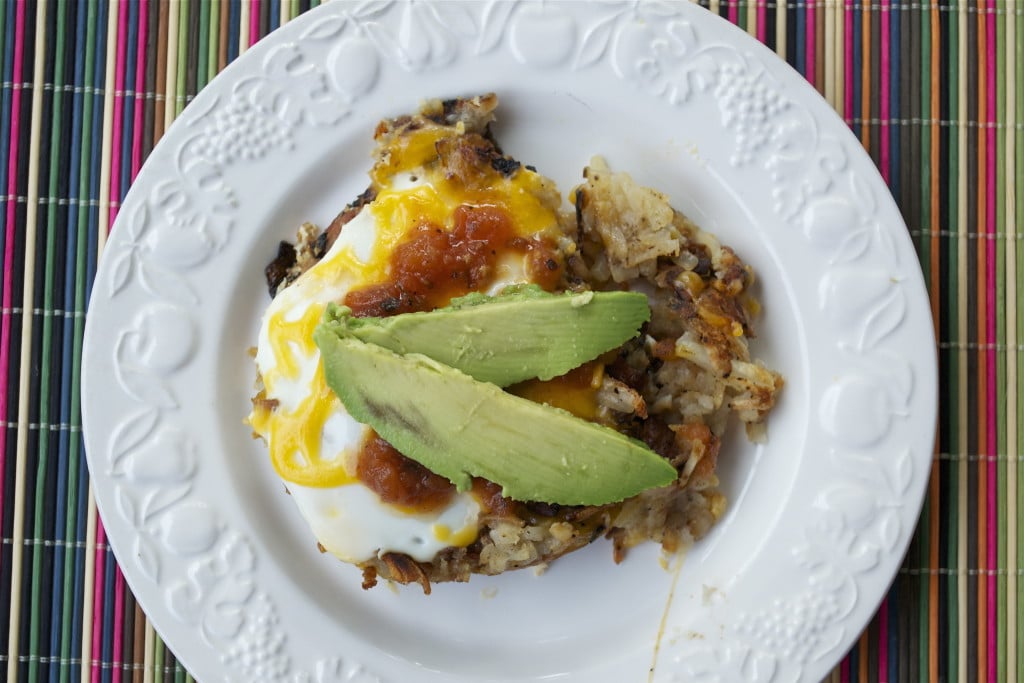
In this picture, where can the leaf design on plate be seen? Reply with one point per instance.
(904, 472)
(370, 9)
(595, 41)
(147, 559)
(868, 304)
(127, 506)
(889, 529)
(129, 435)
(885, 318)
(139, 222)
(326, 29)
(120, 271)
(162, 499)
(853, 246)
(492, 24)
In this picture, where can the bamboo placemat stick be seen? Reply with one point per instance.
(1013, 239)
(27, 318)
(962, 317)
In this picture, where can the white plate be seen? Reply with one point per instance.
(819, 517)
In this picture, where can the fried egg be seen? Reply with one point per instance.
(314, 443)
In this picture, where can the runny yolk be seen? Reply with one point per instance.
(282, 333)
(295, 438)
(407, 152)
(459, 538)
(575, 391)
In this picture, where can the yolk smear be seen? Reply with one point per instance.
(517, 195)
(396, 213)
(295, 439)
(281, 333)
(399, 212)
(457, 539)
(407, 152)
(575, 391)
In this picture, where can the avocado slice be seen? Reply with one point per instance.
(459, 427)
(508, 338)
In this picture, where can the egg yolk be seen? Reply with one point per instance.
(295, 436)
(575, 391)
(459, 538)
(282, 334)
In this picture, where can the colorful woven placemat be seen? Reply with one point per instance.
(934, 91)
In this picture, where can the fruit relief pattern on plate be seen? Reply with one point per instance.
(179, 540)
(170, 229)
(862, 514)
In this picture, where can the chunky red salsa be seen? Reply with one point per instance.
(399, 480)
(434, 264)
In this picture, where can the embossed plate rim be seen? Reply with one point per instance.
(773, 131)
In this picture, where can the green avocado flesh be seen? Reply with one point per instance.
(507, 338)
(459, 427)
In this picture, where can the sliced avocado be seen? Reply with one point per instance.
(459, 428)
(507, 338)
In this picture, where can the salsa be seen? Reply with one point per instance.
(434, 264)
(399, 480)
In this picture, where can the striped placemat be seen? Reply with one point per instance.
(935, 91)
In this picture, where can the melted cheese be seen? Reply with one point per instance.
(412, 150)
(291, 340)
(457, 539)
(575, 392)
(296, 440)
